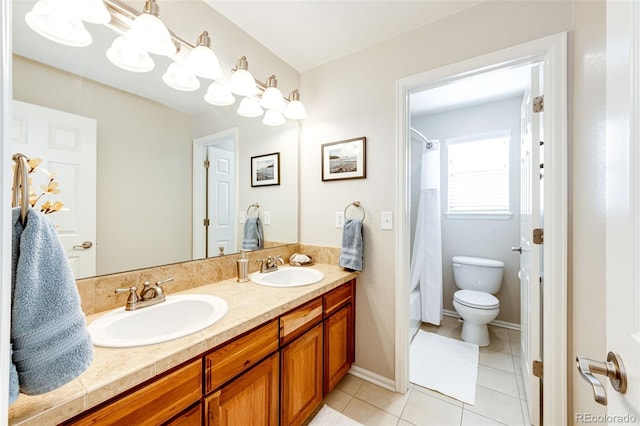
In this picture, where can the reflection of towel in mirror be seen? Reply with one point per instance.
(253, 234)
(352, 252)
(51, 343)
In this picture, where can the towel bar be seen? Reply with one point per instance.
(256, 206)
(355, 204)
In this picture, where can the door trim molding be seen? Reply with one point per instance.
(553, 51)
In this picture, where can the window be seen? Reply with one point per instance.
(478, 175)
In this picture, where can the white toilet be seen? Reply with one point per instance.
(478, 280)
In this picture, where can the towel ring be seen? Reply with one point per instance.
(256, 206)
(355, 204)
(21, 185)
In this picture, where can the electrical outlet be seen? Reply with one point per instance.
(267, 218)
(386, 220)
(339, 219)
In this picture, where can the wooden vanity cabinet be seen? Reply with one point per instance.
(242, 380)
(339, 333)
(301, 340)
(153, 403)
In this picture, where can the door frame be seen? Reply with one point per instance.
(200, 146)
(553, 51)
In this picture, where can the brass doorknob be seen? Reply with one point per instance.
(84, 246)
(613, 368)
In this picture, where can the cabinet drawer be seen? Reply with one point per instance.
(300, 320)
(155, 403)
(233, 358)
(338, 297)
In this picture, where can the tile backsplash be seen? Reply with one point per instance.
(97, 294)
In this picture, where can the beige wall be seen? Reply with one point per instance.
(355, 96)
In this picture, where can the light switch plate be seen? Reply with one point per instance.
(267, 218)
(339, 219)
(386, 220)
(242, 217)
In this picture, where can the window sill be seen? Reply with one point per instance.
(479, 216)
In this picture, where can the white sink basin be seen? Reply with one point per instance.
(288, 277)
(176, 317)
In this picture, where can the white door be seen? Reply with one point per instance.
(530, 218)
(623, 205)
(67, 145)
(221, 189)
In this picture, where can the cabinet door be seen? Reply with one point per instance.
(338, 346)
(251, 399)
(301, 383)
(191, 417)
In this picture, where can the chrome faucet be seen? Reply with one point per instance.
(149, 295)
(270, 264)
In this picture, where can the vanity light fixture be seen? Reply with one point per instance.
(142, 34)
(272, 97)
(242, 82)
(61, 20)
(295, 109)
(250, 107)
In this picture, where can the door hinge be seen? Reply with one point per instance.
(207, 163)
(538, 104)
(538, 236)
(206, 222)
(537, 369)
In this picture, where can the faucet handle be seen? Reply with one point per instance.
(133, 295)
(159, 289)
(159, 283)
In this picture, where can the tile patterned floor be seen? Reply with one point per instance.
(499, 393)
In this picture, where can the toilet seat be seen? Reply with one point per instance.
(476, 299)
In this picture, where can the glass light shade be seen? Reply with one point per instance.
(249, 107)
(152, 35)
(242, 83)
(93, 11)
(204, 63)
(219, 95)
(272, 99)
(54, 23)
(273, 118)
(128, 55)
(179, 77)
(295, 111)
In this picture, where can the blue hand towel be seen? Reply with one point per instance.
(252, 236)
(51, 343)
(352, 252)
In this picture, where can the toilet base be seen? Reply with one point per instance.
(475, 333)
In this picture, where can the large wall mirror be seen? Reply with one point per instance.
(146, 133)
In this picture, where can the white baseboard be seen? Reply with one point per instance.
(497, 323)
(371, 377)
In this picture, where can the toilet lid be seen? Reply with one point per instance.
(476, 299)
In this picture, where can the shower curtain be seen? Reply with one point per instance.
(426, 259)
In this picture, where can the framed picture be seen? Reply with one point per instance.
(265, 170)
(344, 159)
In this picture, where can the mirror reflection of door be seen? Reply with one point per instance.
(221, 199)
(214, 194)
(66, 143)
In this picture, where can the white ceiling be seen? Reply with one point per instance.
(309, 33)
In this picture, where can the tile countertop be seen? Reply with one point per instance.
(114, 370)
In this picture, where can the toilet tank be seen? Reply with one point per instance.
(476, 273)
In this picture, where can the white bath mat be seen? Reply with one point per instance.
(327, 416)
(445, 365)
